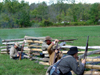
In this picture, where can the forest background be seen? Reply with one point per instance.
(15, 14)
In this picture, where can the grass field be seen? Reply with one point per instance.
(27, 67)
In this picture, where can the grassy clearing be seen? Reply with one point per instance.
(27, 67)
(17, 67)
(79, 33)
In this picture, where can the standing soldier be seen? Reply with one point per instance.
(54, 53)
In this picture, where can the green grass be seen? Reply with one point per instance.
(20, 67)
(27, 67)
(79, 33)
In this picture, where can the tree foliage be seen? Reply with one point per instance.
(20, 14)
(95, 13)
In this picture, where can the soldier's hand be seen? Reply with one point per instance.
(23, 45)
(17, 55)
(56, 51)
(84, 61)
(56, 40)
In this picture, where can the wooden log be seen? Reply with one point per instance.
(11, 43)
(93, 67)
(30, 37)
(33, 49)
(46, 55)
(81, 47)
(89, 73)
(6, 51)
(46, 52)
(34, 46)
(43, 59)
(36, 49)
(31, 41)
(93, 60)
(90, 57)
(92, 73)
(9, 49)
(43, 63)
(89, 53)
(9, 40)
(10, 46)
(3, 52)
(36, 54)
(82, 52)
(4, 46)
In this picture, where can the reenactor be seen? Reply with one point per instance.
(53, 49)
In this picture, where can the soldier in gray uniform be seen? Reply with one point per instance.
(70, 63)
(14, 54)
(14, 51)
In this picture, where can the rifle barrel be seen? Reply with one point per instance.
(21, 52)
(86, 47)
(67, 40)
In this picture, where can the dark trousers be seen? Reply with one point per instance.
(22, 56)
(69, 73)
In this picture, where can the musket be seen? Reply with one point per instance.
(7, 49)
(86, 49)
(67, 40)
(21, 51)
(55, 53)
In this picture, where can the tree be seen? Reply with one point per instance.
(1, 6)
(95, 13)
(42, 10)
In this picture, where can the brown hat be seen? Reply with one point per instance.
(48, 38)
(16, 44)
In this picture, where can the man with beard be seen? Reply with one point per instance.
(54, 53)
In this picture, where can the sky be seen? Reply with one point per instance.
(49, 1)
(54, 1)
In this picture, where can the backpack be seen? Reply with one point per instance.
(55, 70)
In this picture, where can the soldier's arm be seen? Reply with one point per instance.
(77, 68)
(50, 48)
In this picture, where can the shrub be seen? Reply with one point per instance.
(46, 23)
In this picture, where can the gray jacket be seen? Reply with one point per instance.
(69, 63)
(44, 46)
(14, 52)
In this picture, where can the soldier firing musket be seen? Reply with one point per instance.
(49, 45)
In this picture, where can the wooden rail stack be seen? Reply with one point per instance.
(8, 43)
(34, 46)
